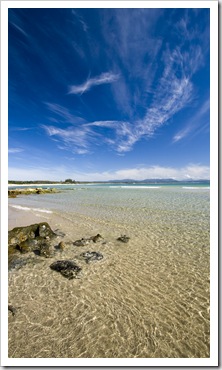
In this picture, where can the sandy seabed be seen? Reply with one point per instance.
(148, 298)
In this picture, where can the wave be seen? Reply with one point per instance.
(135, 187)
(31, 209)
(195, 187)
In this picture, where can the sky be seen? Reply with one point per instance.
(104, 94)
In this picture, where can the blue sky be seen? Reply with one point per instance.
(102, 94)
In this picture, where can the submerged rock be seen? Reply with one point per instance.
(59, 233)
(96, 238)
(91, 256)
(123, 238)
(12, 309)
(12, 193)
(81, 242)
(67, 268)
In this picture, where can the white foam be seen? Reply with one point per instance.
(195, 187)
(135, 187)
(140, 187)
(31, 209)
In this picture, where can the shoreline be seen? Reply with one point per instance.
(21, 217)
(31, 185)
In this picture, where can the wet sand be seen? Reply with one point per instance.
(141, 300)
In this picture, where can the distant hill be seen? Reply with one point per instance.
(157, 181)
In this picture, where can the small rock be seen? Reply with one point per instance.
(61, 245)
(80, 242)
(96, 238)
(91, 256)
(123, 238)
(12, 309)
(67, 268)
(59, 233)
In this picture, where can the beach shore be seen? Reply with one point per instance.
(34, 185)
(146, 298)
(20, 217)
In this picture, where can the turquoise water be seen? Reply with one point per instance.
(166, 204)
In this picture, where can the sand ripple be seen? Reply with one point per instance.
(147, 298)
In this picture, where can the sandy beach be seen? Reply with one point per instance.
(146, 298)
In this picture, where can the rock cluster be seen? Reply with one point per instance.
(82, 242)
(12, 193)
(25, 243)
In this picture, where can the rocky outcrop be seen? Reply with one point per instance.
(12, 193)
(33, 238)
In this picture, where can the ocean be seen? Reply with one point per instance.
(148, 298)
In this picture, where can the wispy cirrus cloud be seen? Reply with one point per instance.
(104, 78)
(148, 95)
(80, 19)
(195, 123)
(173, 90)
(21, 128)
(17, 22)
(15, 150)
(64, 114)
(75, 139)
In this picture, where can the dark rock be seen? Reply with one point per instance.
(96, 238)
(59, 233)
(12, 193)
(91, 256)
(123, 238)
(81, 242)
(44, 250)
(67, 268)
(12, 309)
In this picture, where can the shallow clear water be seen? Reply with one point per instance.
(147, 298)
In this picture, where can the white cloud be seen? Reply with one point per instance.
(191, 171)
(173, 90)
(160, 172)
(75, 139)
(104, 78)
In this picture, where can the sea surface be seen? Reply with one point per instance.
(148, 298)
